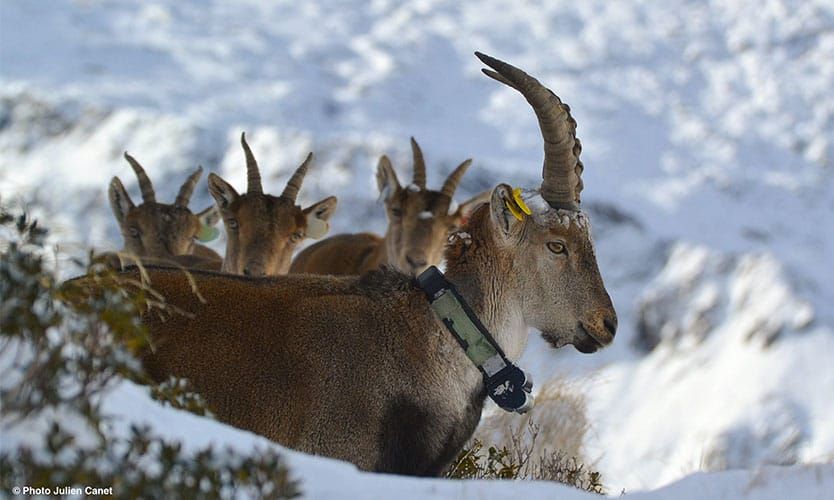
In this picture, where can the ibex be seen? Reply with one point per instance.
(361, 368)
(419, 221)
(262, 230)
(160, 232)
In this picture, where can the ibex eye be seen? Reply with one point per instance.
(134, 232)
(296, 236)
(232, 223)
(396, 212)
(556, 247)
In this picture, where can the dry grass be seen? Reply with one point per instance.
(544, 444)
(559, 414)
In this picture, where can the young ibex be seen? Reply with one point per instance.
(360, 368)
(262, 230)
(160, 232)
(419, 222)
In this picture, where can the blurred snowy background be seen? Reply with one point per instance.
(708, 133)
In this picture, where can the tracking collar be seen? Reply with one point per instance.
(508, 385)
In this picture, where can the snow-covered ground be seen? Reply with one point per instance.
(708, 133)
(326, 478)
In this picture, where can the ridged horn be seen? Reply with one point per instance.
(253, 174)
(294, 184)
(145, 185)
(187, 189)
(451, 183)
(419, 179)
(561, 181)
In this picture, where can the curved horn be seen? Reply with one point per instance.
(561, 182)
(452, 181)
(187, 189)
(419, 165)
(294, 184)
(253, 174)
(144, 181)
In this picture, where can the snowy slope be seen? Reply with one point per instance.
(322, 478)
(708, 133)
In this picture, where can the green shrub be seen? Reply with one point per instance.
(177, 393)
(62, 348)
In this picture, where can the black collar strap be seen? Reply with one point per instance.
(508, 385)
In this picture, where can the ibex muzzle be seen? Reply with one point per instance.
(262, 230)
(361, 368)
(160, 230)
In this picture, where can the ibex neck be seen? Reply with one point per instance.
(386, 250)
(484, 276)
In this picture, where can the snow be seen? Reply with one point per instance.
(708, 144)
(326, 478)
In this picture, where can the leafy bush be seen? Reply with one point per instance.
(61, 349)
(177, 393)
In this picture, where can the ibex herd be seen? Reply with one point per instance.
(360, 367)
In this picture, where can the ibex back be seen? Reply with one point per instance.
(360, 368)
(419, 221)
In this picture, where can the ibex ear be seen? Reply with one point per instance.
(317, 216)
(386, 179)
(504, 219)
(120, 201)
(208, 218)
(467, 207)
(222, 192)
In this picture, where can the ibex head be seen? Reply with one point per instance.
(552, 254)
(159, 230)
(419, 219)
(262, 230)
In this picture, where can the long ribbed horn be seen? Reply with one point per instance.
(561, 182)
(253, 174)
(453, 180)
(294, 184)
(144, 181)
(187, 189)
(419, 165)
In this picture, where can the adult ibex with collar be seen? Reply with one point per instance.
(362, 368)
(160, 232)
(419, 222)
(262, 230)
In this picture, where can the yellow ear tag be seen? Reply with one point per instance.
(520, 202)
(513, 210)
(207, 233)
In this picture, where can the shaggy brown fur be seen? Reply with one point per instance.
(330, 365)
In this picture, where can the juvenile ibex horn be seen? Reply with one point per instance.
(144, 181)
(294, 184)
(419, 178)
(253, 174)
(187, 189)
(451, 183)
